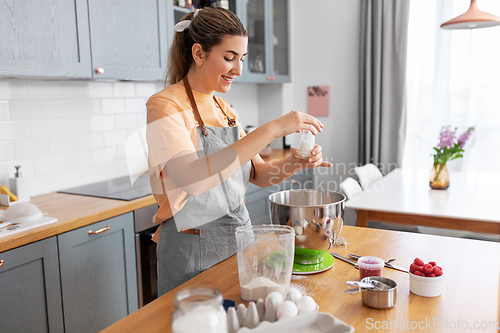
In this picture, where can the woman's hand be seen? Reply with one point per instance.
(295, 121)
(316, 160)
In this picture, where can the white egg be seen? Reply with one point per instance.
(278, 298)
(292, 294)
(287, 309)
(306, 304)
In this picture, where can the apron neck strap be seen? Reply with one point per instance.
(193, 105)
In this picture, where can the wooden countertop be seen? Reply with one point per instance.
(470, 295)
(276, 154)
(72, 212)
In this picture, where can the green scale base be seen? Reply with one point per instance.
(326, 264)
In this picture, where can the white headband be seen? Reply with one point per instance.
(183, 25)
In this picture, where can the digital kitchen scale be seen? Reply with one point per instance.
(324, 265)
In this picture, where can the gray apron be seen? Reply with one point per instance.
(182, 256)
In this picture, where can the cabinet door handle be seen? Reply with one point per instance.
(99, 231)
(1, 263)
(274, 78)
(269, 78)
(246, 201)
(294, 181)
(99, 70)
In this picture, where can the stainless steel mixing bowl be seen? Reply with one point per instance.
(317, 217)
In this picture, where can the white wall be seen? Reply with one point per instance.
(70, 133)
(325, 44)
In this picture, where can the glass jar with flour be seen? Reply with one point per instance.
(199, 309)
(306, 145)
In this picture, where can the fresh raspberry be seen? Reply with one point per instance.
(430, 275)
(427, 269)
(414, 268)
(439, 268)
(433, 263)
(419, 273)
(437, 271)
(419, 262)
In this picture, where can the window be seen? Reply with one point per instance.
(453, 78)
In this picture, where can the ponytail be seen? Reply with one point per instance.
(208, 28)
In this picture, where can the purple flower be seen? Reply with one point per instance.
(465, 136)
(446, 139)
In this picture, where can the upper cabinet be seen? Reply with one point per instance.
(268, 26)
(109, 39)
(47, 38)
(128, 38)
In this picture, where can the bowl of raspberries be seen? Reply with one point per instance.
(426, 279)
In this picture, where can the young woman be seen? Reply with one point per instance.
(200, 159)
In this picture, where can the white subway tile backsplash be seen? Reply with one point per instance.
(115, 138)
(60, 108)
(14, 129)
(27, 109)
(76, 125)
(63, 144)
(100, 89)
(123, 121)
(4, 110)
(104, 155)
(74, 89)
(88, 107)
(31, 147)
(46, 127)
(78, 160)
(93, 174)
(102, 123)
(40, 185)
(117, 169)
(66, 179)
(146, 89)
(70, 133)
(113, 105)
(49, 164)
(135, 105)
(124, 89)
(141, 119)
(7, 151)
(13, 89)
(43, 89)
(91, 141)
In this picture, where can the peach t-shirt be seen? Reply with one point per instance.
(171, 129)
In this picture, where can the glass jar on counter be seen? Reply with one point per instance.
(199, 309)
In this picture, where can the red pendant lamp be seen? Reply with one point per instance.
(472, 19)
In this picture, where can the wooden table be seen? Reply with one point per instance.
(404, 196)
(470, 295)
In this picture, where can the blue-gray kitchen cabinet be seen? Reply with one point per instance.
(98, 274)
(257, 204)
(129, 38)
(268, 26)
(30, 294)
(48, 38)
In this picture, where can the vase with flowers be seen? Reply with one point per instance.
(448, 149)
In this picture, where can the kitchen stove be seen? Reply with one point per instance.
(117, 188)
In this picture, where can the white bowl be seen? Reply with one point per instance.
(426, 286)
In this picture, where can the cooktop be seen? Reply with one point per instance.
(117, 188)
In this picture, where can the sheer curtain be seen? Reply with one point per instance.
(453, 78)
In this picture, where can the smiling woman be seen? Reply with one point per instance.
(200, 160)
